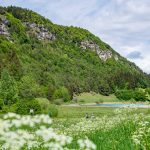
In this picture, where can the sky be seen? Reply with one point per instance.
(123, 24)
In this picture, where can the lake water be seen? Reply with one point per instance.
(124, 105)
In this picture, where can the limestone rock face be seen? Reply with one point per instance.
(3, 26)
(41, 32)
(103, 54)
(116, 57)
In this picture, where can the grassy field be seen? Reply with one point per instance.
(115, 129)
(94, 97)
(79, 112)
(105, 129)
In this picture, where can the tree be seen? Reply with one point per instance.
(125, 94)
(8, 88)
(62, 93)
(140, 95)
(28, 88)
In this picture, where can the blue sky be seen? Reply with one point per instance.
(123, 24)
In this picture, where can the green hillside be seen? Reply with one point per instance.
(43, 57)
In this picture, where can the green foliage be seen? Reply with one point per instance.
(140, 95)
(11, 108)
(1, 104)
(44, 104)
(137, 95)
(5, 46)
(125, 94)
(24, 106)
(58, 101)
(148, 90)
(62, 93)
(28, 88)
(8, 88)
(53, 111)
(105, 90)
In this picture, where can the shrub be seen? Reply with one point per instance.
(53, 111)
(58, 101)
(148, 90)
(82, 101)
(101, 101)
(62, 93)
(5, 109)
(140, 95)
(44, 104)
(9, 108)
(24, 106)
(125, 94)
(1, 104)
(105, 90)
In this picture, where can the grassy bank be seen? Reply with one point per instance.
(95, 97)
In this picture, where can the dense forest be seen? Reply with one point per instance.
(42, 59)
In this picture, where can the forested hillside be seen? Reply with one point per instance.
(43, 58)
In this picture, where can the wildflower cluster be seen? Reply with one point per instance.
(28, 132)
(141, 137)
(105, 123)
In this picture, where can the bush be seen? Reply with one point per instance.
(58, 101)
(9, 108)
(24, 106)
(140, 95)
(1, 104)
(53, 111)
(5, 109)
(148, 90)
(125, 94)
(105, 90)
(44, 104)
(62, 93)
(101, 101)
(82, 101)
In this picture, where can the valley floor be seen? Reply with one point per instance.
(108, 128)
(103, 129)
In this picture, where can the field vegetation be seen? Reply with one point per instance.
(116, 129)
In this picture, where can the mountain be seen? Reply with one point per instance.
(43, 56)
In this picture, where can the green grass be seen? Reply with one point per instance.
(118, 137)
(79, 112)
(94, 97)
(109, 130)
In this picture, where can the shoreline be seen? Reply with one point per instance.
(108, 105)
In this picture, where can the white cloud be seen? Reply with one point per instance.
(124, 24)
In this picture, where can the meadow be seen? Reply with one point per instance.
(105, 129)
(93, 97)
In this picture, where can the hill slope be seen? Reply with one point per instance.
(44, 56)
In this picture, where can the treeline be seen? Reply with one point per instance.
(20, 97)
(135, 95)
